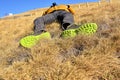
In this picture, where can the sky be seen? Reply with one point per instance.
(19, 6)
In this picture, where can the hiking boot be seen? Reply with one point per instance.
(32, 40)
(73, 30)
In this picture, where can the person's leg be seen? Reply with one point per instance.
(67, 23)
(39, 27)
(68, 19)
(39, 23)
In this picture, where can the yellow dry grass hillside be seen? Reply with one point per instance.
(95, 57)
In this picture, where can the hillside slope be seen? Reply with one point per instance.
(95, 57)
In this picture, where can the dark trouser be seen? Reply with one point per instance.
(63, 17)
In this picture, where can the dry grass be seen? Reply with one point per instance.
(95, 57)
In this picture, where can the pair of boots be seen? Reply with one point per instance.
(72, 31)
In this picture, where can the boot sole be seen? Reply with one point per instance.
(32, 40)
(85, 29)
